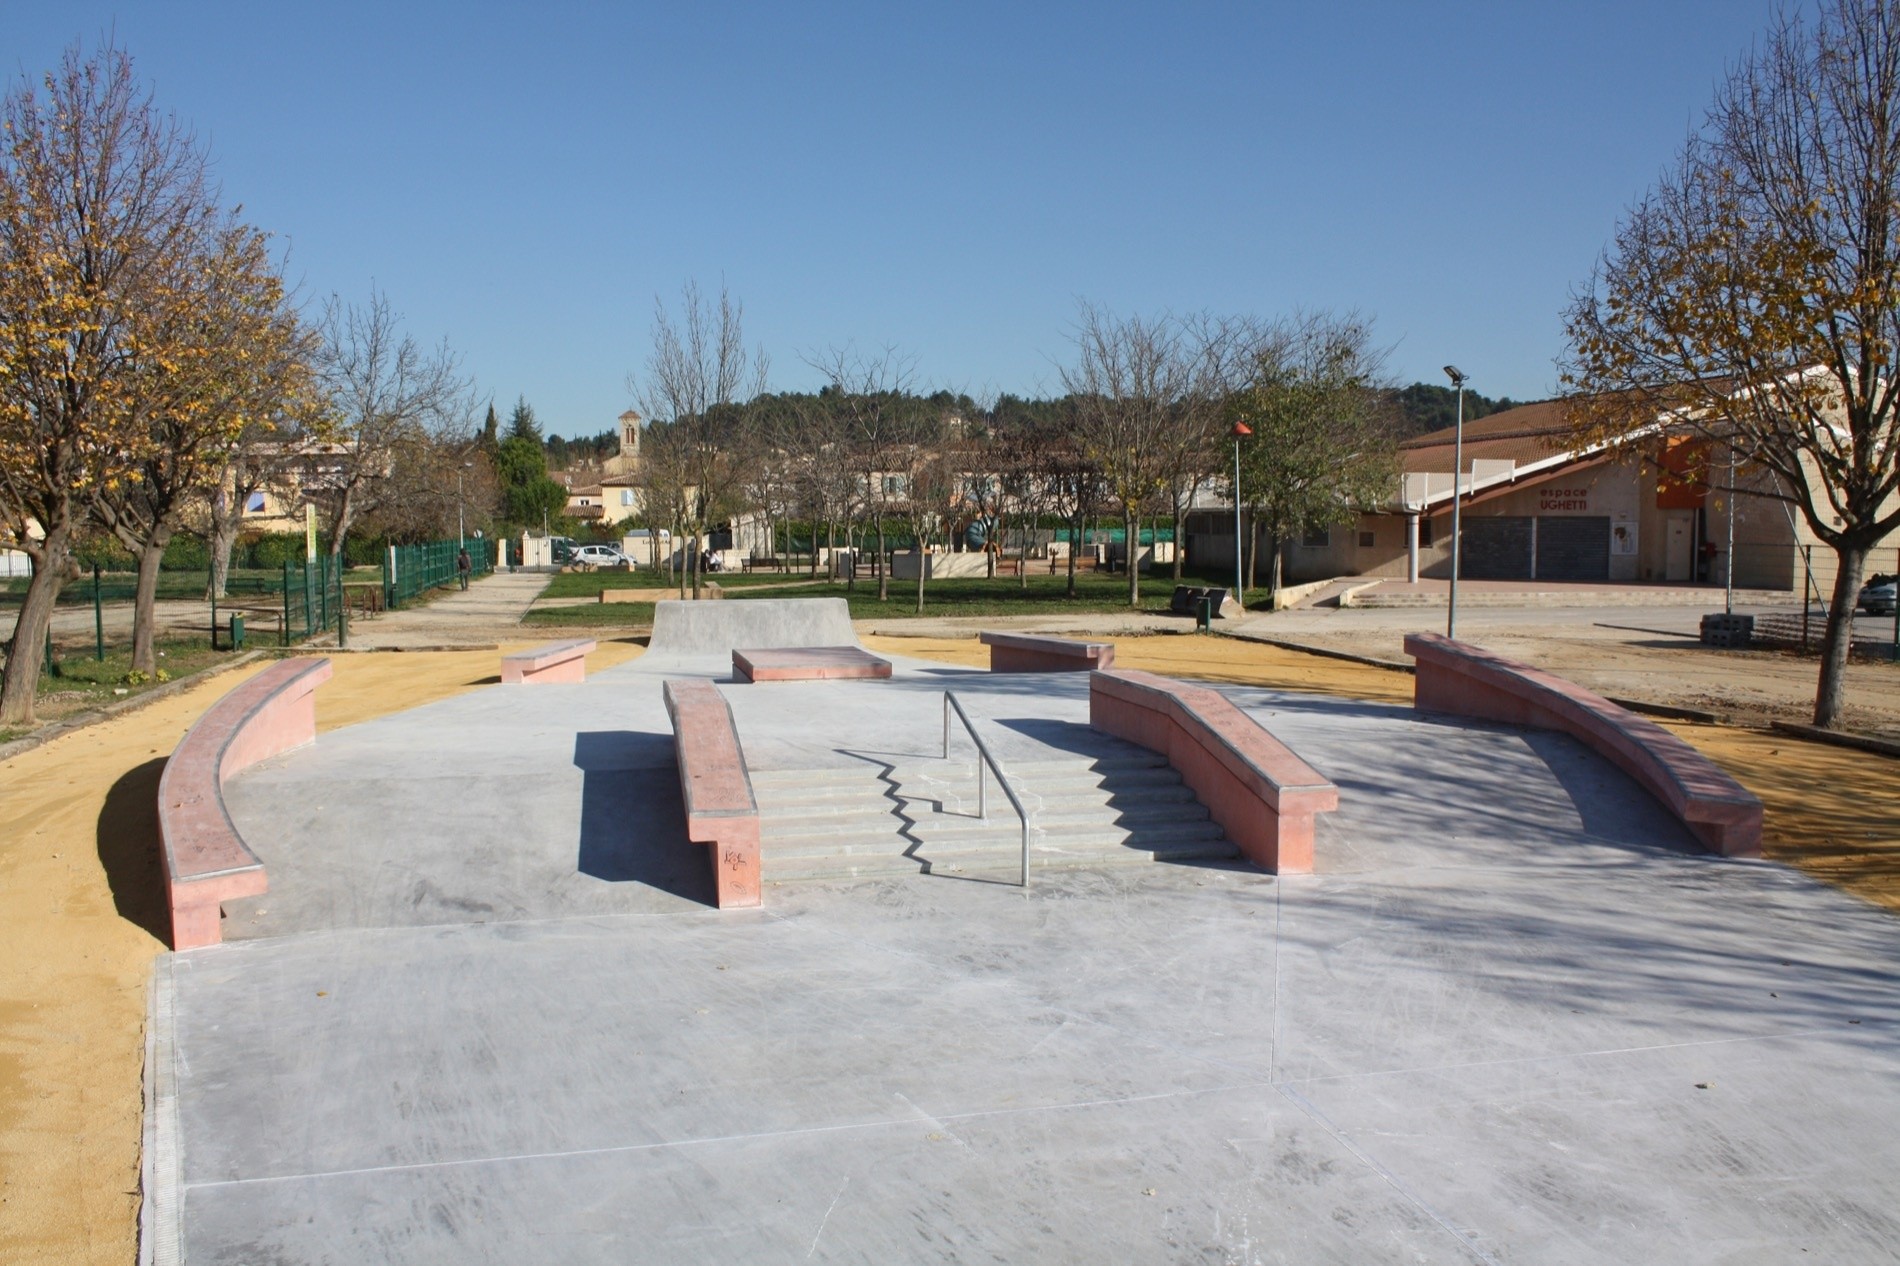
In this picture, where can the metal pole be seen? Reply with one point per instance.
(1728, 583)
(461, 537)
(1240, 589)
(99, 619)
(1457, 496)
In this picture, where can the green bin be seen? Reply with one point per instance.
(237, 630)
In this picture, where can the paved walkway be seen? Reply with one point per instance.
(487, 613)
(1513, 1018)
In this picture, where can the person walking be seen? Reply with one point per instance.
(463, 566)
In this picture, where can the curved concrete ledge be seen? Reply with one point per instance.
(1034, 653)
(206, 862)
(1263, 795)
(1459, 678)
(720, 809)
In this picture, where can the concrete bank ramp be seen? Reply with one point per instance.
(713, 630)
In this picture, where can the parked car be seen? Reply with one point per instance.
(600, 556)
(561, 548)
(1877, 595)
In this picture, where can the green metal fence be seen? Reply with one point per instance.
(409, 570)
(313, 597)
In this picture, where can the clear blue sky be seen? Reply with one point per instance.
(524, 180)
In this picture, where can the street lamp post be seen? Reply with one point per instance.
(461, 534)
(1240, 590)
(1457, 377)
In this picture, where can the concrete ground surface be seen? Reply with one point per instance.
(486, 1015)
(79, 922)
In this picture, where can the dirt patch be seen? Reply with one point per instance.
(82, 918)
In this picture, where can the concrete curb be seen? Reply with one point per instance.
(1815, 734)
(79, 721)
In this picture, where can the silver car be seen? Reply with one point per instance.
(600, 556)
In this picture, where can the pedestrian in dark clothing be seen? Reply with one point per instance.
(463, 566)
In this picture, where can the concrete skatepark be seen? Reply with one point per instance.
(486, 1013)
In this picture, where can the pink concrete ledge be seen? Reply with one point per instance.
(808, 663)
(206, 862)
(1031, 653)
(1262, 794)
(720, 810)
(1459, 678)
(557, 661)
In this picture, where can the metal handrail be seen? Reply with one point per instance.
(984, 758)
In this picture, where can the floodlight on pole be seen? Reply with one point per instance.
(1241, 429)
(1457, 377)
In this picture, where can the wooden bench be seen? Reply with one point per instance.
(1459, 678)
(1263, 795)
(206, 862)
(753, 563)
(720, 809)
(1030, 653)
(808, 663)
(557, 661)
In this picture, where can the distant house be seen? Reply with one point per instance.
(1538, 506)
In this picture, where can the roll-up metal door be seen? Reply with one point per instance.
(1496, 548)
(1573, 548)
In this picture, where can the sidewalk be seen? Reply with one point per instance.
(487, 614)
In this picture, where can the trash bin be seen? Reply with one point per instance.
(237, 630)
(1204, 613)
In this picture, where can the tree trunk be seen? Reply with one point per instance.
(224, 532)
(1175, 525)
(922, 565)
(1075, 547)
(1131, 543)
(1830, 696)
(1253, 554)
(145, 602)
(883, 572)
(26, 653)
(1273, 573)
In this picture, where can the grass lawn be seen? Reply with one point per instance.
(959, 596)
(608, 615)
(588, 584)
(85, 683)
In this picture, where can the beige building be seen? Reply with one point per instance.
(1538, 507)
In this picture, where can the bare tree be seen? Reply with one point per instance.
(382, 393)
(1753, 296)
(99, 195)
(873, 404)
(1132, 382)
(699, 372)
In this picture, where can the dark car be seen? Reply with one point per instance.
(1877, 595)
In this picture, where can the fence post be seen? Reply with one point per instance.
(283, 630)
(1807, 588)
(99, 619)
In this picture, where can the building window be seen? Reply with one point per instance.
(1424, 531)
(626, 496)
(1365, 540)
(254, 503)
(1317, 538)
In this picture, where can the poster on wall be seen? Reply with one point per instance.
(1623, 536)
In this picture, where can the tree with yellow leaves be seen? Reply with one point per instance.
(99, 196)
(221, 349)
(1752, 298)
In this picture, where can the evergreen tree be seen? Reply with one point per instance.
(491, 431)
(521, 423)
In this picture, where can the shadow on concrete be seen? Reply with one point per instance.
(633, 823)
(127, 836)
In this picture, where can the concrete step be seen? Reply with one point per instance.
(925, 823)
(836, 777)
(1002, 857)
(896, 838)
